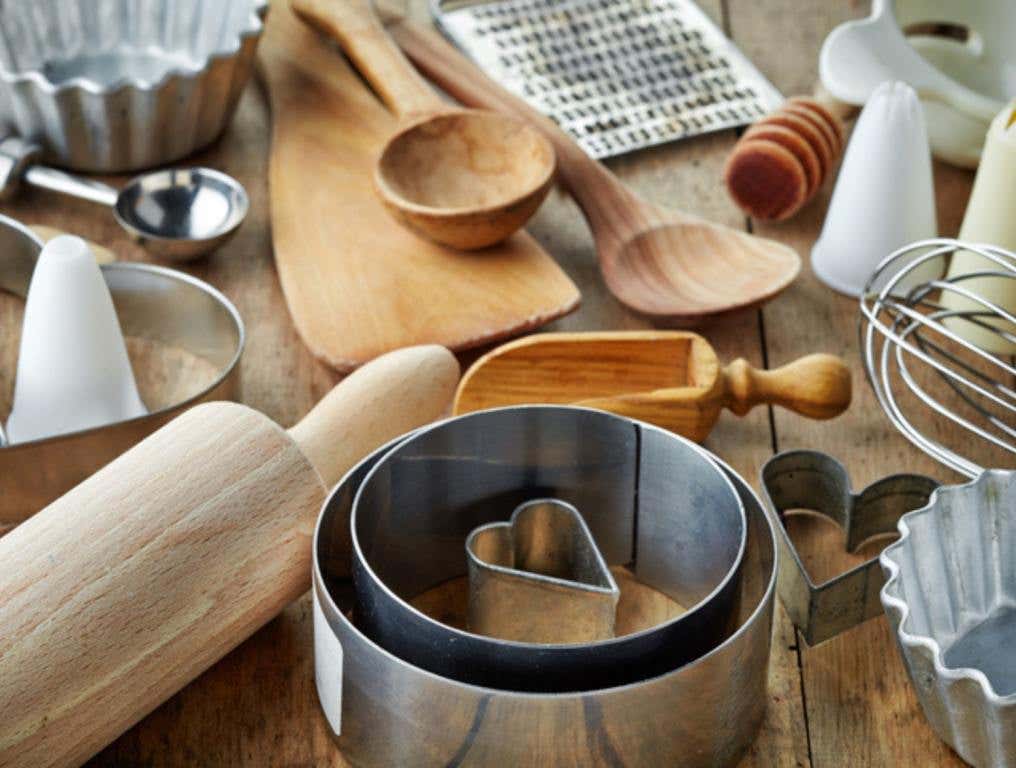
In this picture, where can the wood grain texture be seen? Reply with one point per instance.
(660, 262)
(357, 284)
(192, 540)
(258, 705)
(669, 378)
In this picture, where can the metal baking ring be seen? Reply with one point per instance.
(152, 303)
(384, 711)
(652, 500)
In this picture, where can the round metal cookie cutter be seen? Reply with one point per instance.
(384, 711)
(152, 303)
(652, 501)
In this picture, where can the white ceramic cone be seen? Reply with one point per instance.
(884, 197)
(73, 371)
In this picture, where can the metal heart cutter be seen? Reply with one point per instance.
(814, 481)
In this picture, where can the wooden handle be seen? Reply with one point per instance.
(136, 581)
(817, 386)
(376, 403)
(602, 197)
(354, 26)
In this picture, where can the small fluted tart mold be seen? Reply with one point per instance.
(123, 85)
(950, 595)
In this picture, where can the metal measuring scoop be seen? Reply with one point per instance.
(175, 213)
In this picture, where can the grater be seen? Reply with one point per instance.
(618, 75)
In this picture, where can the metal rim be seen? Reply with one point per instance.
(404, 605)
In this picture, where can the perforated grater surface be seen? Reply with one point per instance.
(618, 75)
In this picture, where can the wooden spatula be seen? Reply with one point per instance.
(668, 378)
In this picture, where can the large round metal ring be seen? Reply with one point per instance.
(653, 501)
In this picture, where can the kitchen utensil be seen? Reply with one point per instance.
(464, 178)
(813, 481)
(989, 219)
(884, 196)
(779, 163)
(101, 254)
(385, 711)
(666, 264)
(905, 338)
(415, 508)
(115, 87)
(356, 285)
(176, 213)
(958, 57)
(668, 378)
(616, 76)
(73, 371)
(949, 594)
(135, 582)
(540, 578)
(185, 340)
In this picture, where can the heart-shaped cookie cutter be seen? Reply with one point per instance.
(540, 578)
(814, 481)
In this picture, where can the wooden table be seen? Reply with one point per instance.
(847, 702)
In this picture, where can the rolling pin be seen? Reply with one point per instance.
(135, 582)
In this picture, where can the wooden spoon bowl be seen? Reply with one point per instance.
(462, 178)
(465, 178)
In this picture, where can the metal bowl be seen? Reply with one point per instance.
(152, 303)
(652, 501)
(384, 711)
(950, 595)
(107, 86)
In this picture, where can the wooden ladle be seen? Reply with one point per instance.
(464, 178)
(669, 378)
(666, 264)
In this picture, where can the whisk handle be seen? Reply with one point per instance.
(817, 386)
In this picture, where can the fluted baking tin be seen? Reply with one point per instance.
(111, 86)
(153, 303)
(384, 711)
(950, 595)
(652, 500)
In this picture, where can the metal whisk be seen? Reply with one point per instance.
(906, 323)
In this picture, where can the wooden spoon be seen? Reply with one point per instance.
(463, 178)
(666, 264)
(668, 378)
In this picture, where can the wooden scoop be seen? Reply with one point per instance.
(464, 178)
(668, 378)
(136, 581)
(663, 263)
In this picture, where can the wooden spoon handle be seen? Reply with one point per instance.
(597, 191)
(355, 27)
(817, 386)
(374, 404)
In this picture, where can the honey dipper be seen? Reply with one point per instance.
(782, 160)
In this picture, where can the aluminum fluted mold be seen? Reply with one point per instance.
(950, 595)
(122, 85)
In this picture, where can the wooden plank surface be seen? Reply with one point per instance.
(843, 703)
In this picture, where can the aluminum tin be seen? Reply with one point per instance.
(652, 500)
(108, 86)
(384, 711)
(152, 303)
(950, 595)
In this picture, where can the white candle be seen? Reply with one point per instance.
(991, 219)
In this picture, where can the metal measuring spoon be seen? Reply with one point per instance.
(176, 213)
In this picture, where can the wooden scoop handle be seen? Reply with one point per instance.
(355, 27)
(817, 386)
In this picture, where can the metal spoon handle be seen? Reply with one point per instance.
(66, 184)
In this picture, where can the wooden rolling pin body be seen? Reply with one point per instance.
(132, 584)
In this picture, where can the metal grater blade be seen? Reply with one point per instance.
(618, 75)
